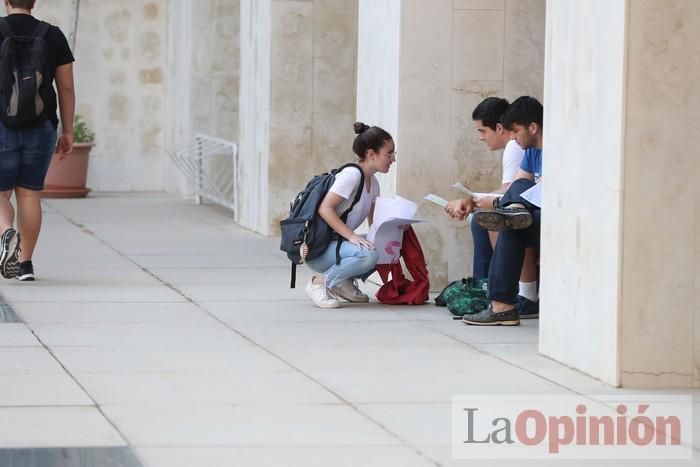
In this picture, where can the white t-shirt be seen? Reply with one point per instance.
(346, 183)
(512, 156)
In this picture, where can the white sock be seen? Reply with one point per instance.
(529, 290)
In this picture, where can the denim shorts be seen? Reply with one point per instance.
(25, 155)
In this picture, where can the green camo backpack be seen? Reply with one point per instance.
(467, 297)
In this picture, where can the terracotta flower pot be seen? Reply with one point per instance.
(66, 178)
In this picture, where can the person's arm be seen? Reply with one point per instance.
(328, 213)
(66, 103)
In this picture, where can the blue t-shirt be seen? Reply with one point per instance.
(532, 162)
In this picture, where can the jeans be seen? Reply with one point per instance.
(25, 155)
(482, 251)
(355, 262)
(507, 260)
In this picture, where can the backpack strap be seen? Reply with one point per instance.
(293, 282)
(41, 29)
(356, 199)
(5, 28)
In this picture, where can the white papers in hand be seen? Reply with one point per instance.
(385, 234)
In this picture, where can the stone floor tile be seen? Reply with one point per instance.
(298, 425)
(27, 360)
(114, 312)
(17, 335)
(212, 388)
(179, 358)
(22, 427)
(51, 389)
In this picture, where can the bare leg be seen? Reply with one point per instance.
(28, 220)
(529, 271)
(493, 237)
(7, 212)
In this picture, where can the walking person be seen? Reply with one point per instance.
(375, 149)
(33, 54)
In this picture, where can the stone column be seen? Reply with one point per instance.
(297, 101)
(620, 240)
(422, 68)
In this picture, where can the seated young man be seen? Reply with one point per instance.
(487, 118)
(517, 220)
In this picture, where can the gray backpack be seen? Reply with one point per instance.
(25, 76)
(305, 229)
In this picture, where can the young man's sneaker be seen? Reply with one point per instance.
(349, 291)
(503, 219)
(26, 271)
(9, 251)
(320, 296)
(527, 309)
(490, 318)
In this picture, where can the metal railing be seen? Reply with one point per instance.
(210, 165)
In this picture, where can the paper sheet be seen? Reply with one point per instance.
(468, 192)
(533, 195)
(385, 234)
(442, 202)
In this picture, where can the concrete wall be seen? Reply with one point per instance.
(660, 218)
(620, 250)
(583, 148)
(149, 74)
(120, 77)
(451, 55)
(297, 100)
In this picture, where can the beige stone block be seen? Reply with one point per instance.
(226, 107)
(289, 168)
(203, 12)
(332, 140)
(228, 8)
(112, 165)
(524, 48)
(658, 276)
(201, 104)
(335, 29)
(334, 87)
(478, 59)
(202, 52)
(292, 63)
(226, 57)
(479, 4)
(473, 162)
(663, 58)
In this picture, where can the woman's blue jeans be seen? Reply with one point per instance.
(355, 262)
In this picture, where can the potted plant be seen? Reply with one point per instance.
(67, 178)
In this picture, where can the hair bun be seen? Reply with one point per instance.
(360, 128)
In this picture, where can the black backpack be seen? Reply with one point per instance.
(305, 227)
(25, 76)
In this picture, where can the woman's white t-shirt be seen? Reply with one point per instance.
(346, 183)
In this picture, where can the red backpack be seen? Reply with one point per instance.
(399, 290)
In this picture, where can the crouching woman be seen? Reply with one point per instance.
(376, 152)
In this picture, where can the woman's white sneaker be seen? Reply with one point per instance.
(318, 293)
(348, 290)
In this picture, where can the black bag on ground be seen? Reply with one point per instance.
(304, 229)
(25, 76)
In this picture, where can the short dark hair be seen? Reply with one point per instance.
(523, 111)
(490, 111)
(368, 138)
(26, 4)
